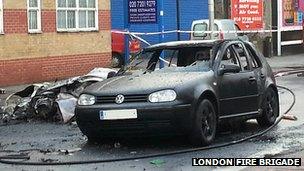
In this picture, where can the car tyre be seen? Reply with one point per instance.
(270, 108)
(117, 60)
(204, 125)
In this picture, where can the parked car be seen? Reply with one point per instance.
(220, 25)
(118, 48)
(205, 82)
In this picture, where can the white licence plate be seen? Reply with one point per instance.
(118, 114)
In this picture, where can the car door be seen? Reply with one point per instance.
(237, 91)
(257, 69)
(252, 91)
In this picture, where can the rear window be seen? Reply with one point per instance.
(228, 26)
(199, 28)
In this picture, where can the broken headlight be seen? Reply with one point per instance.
(162, 96)
(86, 100)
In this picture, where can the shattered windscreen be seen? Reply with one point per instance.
(173, 59)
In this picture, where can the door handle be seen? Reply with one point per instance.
(252, 79)
(262, 76)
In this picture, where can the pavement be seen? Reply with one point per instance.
(299, 154)
(278, 62)
(285, 140)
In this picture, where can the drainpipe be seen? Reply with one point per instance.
(211, 17)
(161, 28)
(178, 19)
(126, 37)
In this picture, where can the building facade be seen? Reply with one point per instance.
(43, 40)
(166, 15)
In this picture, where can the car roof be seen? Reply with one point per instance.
(216, 20)
(187, 43)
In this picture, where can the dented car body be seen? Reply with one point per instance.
(204, 82)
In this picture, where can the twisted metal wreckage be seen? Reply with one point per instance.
(51, 101)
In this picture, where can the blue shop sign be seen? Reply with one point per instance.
(142, 11)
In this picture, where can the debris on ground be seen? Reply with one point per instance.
(51, 101)
(300, 74)
(49, 160)
(69, 151)
(133, 152)
(157, 162)
(290, 117)
(2, 91)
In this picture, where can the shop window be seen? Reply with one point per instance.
(77, 15)
(34, 16)
(1, 17)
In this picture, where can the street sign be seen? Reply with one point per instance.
(247, 14)
(142, 11)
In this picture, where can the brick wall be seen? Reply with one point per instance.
(104, 24)
(47, 56)
(15, 21)
(48, 22)
(29, 70)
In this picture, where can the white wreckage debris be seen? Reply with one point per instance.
(2, 91)
(54, 101)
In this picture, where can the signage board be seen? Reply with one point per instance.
(247, 14)
(292, 13)
(142, 11)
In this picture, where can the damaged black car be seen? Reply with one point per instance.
(201, 84)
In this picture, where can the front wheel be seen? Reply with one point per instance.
(270, 108)
(204, 125)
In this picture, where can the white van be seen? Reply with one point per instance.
(219, 25)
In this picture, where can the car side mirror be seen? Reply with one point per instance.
(229, 69)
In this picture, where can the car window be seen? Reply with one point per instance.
(229, 58)
(216, 27)
(199, 28)
(256, 63)
(228, 26)
(237, 27)
(182, 57)
(170, 56)
(239, 48)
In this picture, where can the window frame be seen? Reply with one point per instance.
(1, 17)
(248, 61)
(232, 50)
(77, 9)
(38, 9)
(254, 57)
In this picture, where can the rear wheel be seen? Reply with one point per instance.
(270, 108)
(205, 124)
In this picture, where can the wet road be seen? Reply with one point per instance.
(43, 140)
